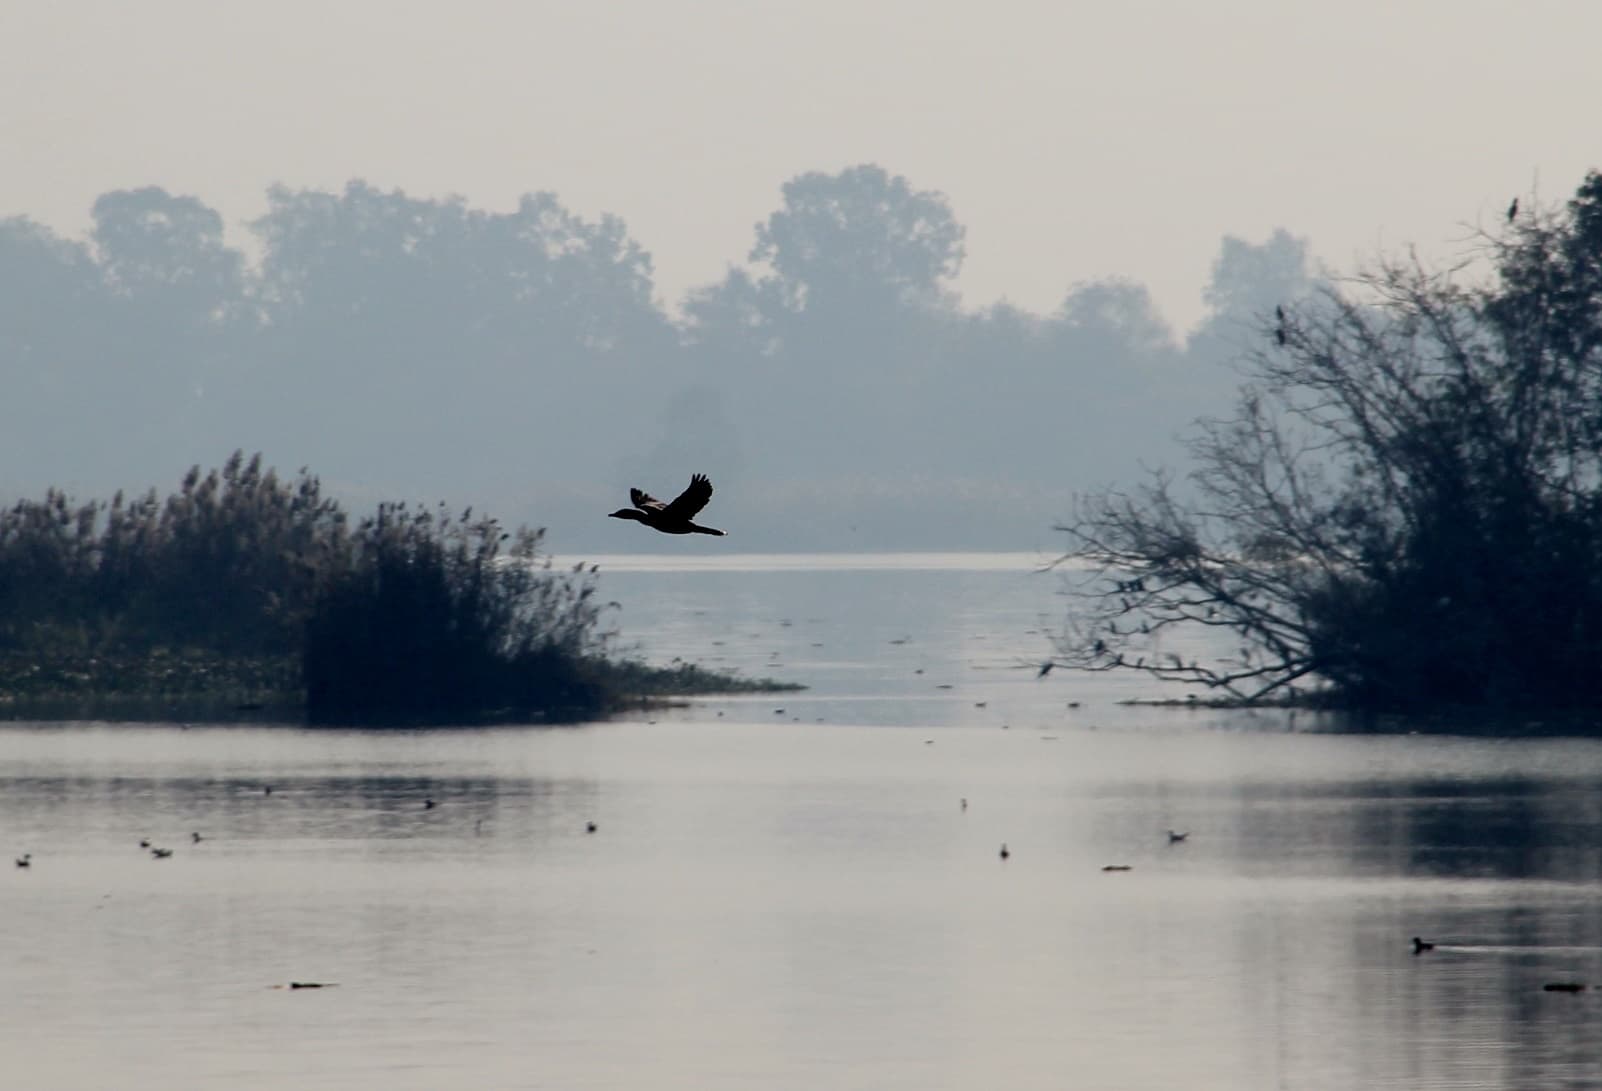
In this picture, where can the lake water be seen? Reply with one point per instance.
(797, 899)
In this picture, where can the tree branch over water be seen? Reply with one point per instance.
(1404, 509)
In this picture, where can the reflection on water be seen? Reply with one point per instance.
(782, 904)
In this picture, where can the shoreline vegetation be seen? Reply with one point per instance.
(247, 597)
(1402, 514)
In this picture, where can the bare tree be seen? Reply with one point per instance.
(1404, 508)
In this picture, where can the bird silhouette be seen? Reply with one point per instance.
(675, 517)
(1419, 946)
(1176, 838)
(1513, 210)
(1004, 853)
(25, 860)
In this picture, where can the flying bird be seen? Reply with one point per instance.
(674, 518)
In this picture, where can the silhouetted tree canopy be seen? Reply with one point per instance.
(1404, 509)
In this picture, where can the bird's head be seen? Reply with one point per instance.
(628, 513)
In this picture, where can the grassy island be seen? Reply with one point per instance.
(243, 594)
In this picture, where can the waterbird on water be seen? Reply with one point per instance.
(1419, 946)
(1176, 838)
(1004, 853)
(674, 517)
(25, 860)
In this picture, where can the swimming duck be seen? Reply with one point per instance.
(671, 518)
(1419, 946)
(25, 860)
(1004, 853)
(1175, 838)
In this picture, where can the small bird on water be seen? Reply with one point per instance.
(25, 860)
(675, 517)
(1419, 946)
(1004, 853)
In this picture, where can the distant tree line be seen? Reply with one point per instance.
(246, 588)
(1404, 510)
(418, 346)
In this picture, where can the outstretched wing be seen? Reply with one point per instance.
(645, 501)
(692, 499)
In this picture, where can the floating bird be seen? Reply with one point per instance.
(1419, 946)
(429, 804)
(1045, 668)
(312, 984)
(1004, 853)
(25, 860)
(590, 827)
(1118, 867)
(144, 842)
(965, 803)
(161, 854)
(1176, 838)
(1513, 210)
(195, 838)
(671, 518)
(1279, 313)
(1279, 336)
(1563, 987)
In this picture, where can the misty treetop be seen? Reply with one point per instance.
(408, 344)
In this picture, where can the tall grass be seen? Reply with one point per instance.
(247, 587)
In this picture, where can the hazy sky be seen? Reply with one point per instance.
(1075, 140)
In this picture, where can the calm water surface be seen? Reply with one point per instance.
(795, 898)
